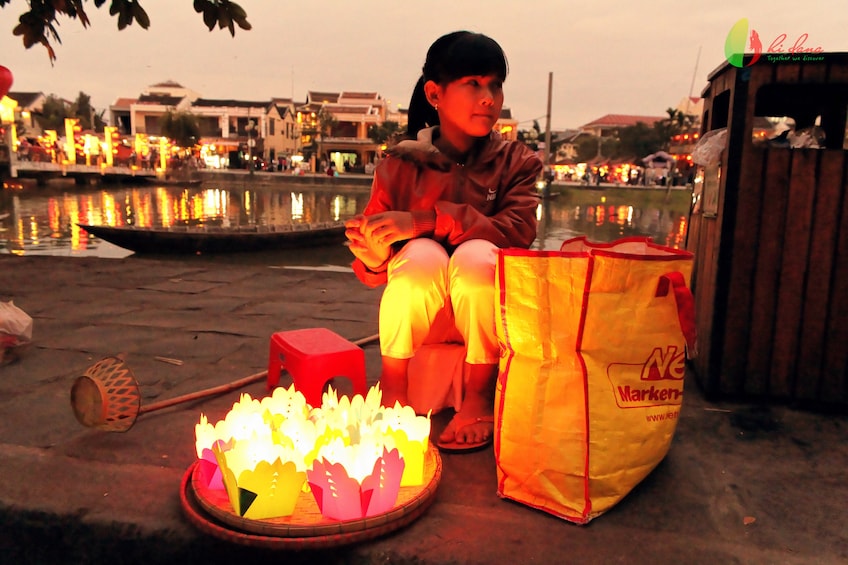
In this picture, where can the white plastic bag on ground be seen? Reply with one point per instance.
(15, 331)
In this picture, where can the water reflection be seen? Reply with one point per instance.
(38, 221)
(607, 215)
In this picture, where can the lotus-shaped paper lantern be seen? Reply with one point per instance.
(350, 482)
(286, 402)
(343, 413)
(410, 433)
(355, 453)
(263, 479)
(247, 418)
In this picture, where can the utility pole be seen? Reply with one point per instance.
(544, 183)
(250, 127)
(692, 85)
(548, 121)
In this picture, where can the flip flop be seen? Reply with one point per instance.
(466, 447)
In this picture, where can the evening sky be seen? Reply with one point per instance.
(606, 56)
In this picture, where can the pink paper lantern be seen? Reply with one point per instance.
(209, 471)
(5, 81)
(340, 497)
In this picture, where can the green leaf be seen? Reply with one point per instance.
(141, 16)
(50, 53)
(237, 11)
(224, 19)
(210, 17)
(125, 18)
(239, 16)
(37, 24)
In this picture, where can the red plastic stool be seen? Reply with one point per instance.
(313, 357)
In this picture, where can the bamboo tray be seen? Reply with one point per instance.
(210, 511)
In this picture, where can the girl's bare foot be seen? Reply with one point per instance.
(473, 426)
(467, 433)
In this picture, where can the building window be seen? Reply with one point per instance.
(271, 122)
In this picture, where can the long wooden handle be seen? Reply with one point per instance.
(221, 389)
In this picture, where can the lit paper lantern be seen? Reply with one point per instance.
(247, 418)
(348, 482)
(286, 402)
(5, 81)
(354, 453)
(410, 433)
(341, 413)
(263, 479)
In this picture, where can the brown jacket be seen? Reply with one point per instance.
(491, 197)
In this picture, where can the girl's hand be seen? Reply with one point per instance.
(370, 257)
(386, 227)
(371, 252)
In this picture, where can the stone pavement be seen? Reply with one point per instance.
(743, 483)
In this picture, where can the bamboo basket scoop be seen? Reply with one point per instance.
(106, 396)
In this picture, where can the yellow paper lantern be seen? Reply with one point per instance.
(263, 479)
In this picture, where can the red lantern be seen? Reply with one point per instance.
(5, 80)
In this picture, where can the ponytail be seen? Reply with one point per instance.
(421, 113)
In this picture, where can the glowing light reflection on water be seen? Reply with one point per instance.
(44, 221)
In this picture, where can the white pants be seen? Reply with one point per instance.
(438, 311)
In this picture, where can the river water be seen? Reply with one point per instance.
(44, 220)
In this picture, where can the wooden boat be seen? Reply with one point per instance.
(215, 239)
(178, 181)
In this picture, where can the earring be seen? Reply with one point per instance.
(436, 107)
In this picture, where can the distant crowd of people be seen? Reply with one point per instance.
(30, 149)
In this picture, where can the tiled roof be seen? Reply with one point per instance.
(282, 110)
(342, 109)
(362, 95)
(319, 97)
(124, 103)
(567, 135)
(229, 103)
(168, 84)
(311, 107)
(623, 120)
(162, 99)
(24, 99)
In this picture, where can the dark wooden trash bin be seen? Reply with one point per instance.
(770, 232)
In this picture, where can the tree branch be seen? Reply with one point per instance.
(36, 26)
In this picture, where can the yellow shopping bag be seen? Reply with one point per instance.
(594, 341)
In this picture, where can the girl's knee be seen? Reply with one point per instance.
(475, 253)
(473, 264)
(418, 265)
